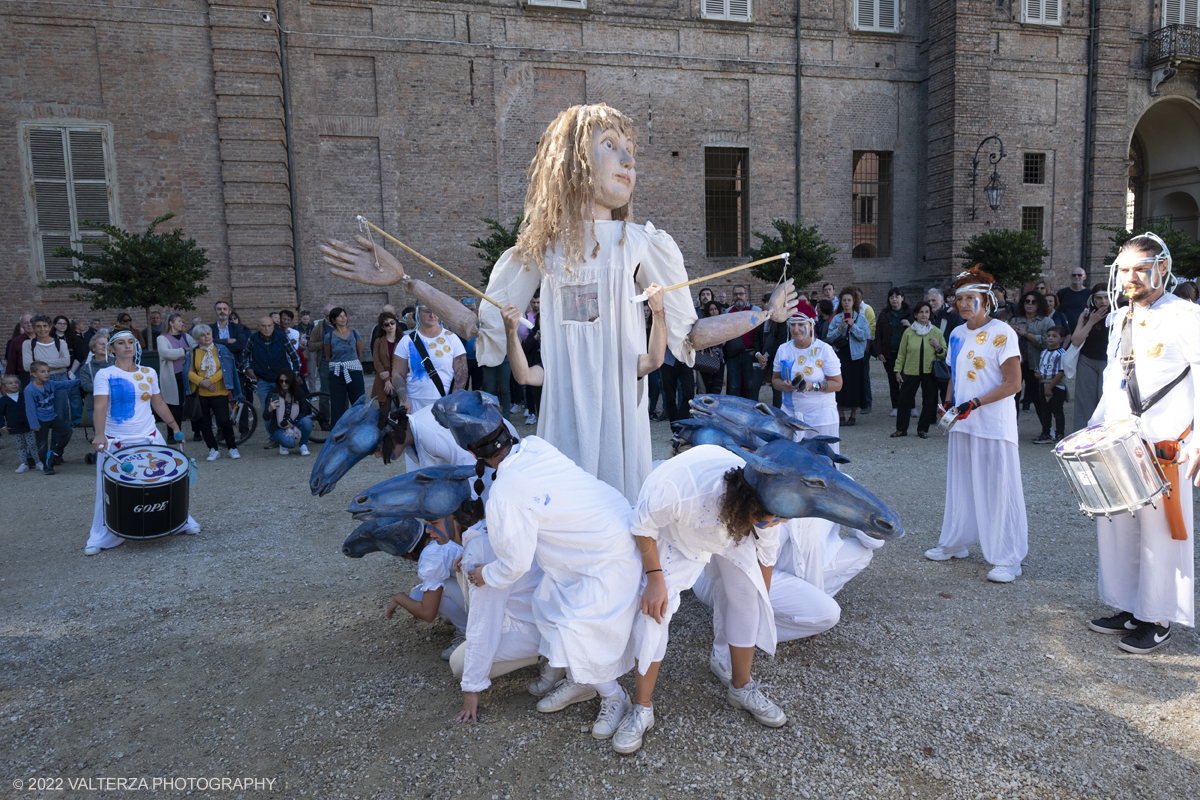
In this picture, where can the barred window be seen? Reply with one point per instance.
(1041, 12)
(71, 171)
(1035, 169)
(876, 15)
(871, 191)
(1032, 219)
(726, 201)
(733, 10)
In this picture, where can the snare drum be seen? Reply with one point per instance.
(145, 491)
(1111, 469)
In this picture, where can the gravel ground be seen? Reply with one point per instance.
(257, 651)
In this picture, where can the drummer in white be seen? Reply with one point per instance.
(1147, 561)
(125, 394)
(808, 372)
(985, 501)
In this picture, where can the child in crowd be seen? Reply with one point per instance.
(43, 420)
(15, 422)
(439, 592)
(1050, 371)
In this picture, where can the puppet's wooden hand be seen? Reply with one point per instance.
(358, 263)
(783, 301)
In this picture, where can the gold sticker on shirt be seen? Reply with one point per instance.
(970, 354)
(981, 337)
(801, 359)
(1000, 340)
(1156, 351)
(441, 340)
(808, 370)
(815, 351)
(146, 396)
(978, 362)
(820, 362)
(971, 374)
(144, 387)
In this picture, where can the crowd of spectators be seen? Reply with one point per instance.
(284, 357)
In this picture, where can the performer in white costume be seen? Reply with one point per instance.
(808, 372)
(502, 633)
(814, 563)
(125, 395)
(439, 591)
(579, 245)
(985, 502)
(700, 505)
(543, 505)
(1147, 561)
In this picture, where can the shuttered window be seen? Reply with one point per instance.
(70, 169)
(1042, 12)
(877, 15)
(733, 10)
(1181, 12)
(558, 3)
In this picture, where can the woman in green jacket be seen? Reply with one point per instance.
(921, 345)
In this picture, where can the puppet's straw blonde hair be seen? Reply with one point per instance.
(560, 205)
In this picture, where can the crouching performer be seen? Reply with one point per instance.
(542, 505)
(702, 505)
(437, 555)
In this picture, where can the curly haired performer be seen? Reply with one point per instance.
(579, 246)
(985, 501)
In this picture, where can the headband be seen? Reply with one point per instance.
(126, 334)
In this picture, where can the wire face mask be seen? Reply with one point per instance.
(1160, 278)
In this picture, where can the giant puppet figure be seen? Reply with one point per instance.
(579, 245)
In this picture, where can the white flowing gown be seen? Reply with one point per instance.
(593, 404)
(542, 504)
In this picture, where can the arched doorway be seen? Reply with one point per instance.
(1164, 166)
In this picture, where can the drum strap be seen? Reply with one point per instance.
(1138, 406)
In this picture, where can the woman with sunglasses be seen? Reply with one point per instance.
(125, 323)
(1031, 323)
(288, 420)
(381, 354)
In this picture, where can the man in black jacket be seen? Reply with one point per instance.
(230, 334)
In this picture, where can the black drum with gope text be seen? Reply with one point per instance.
(145, 491)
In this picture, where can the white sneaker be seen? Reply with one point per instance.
(945, 553)
(283, 451)
(724, 674)
(751, 699)
(91, 550)
(234, 453)
(304, 450)
(459, 638)
(23, 468)
(915, 413)
(895, 412)
(612, 711)
(566, 693)
(38, 466)
(547, 680)
(213, 455)
(191, 530)
(1004, 574)
(635, 723)
(530, 418)
(516, 408)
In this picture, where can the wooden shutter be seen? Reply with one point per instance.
(70, 186)
(866, 14)
(714, 8)
(739, 10)
(887, 15)
(1181, 12)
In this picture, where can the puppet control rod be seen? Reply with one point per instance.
(784, 256)
(363, 221)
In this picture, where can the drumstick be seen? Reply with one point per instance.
(444, 271)
(784, 256)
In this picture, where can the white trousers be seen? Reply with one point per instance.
(100, 536)
(517, 649)
(801, 608)
(984, 499)
(452, 606)
(1146, 572)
